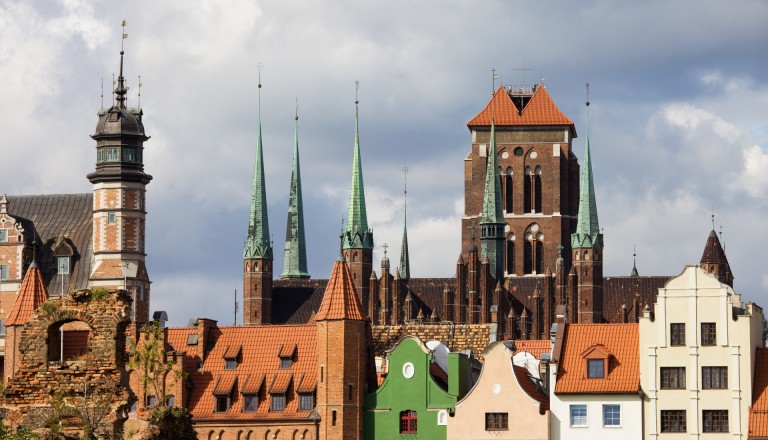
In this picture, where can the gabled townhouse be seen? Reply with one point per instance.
(507, 402)
(697, 356)
(595, 382)
(417, 396)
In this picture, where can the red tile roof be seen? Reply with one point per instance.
(340, 300)
(32, 294)
(258, 369)
(531, 389)
(758, 413)
(540, 110)
(536, 347)
(619, 341)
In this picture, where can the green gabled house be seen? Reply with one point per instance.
(417, 395)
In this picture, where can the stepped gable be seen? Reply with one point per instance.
(258, 369)
(758, 413)
(619, 341)
(624, 290)
(474, 337)
(340, 300)
(540, 110)
(54, 217)
(32, 294)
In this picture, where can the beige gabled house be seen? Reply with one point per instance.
(507, 402)
(696, 358)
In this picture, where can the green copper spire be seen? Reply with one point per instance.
(357, 234)
(492, 221)
(587, 233)
(257, 244)
(405, 263)
(295, 261)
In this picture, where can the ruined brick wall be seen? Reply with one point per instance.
(473, 337)
(99, 373)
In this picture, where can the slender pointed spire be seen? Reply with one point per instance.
(357, 235)
(405, 263)
(295, 261)
(587, 227)
(258, 245)
(634, 272)
(492, 212)
(120, 91)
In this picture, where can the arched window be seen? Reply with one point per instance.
(537, 190)
(68, 341)
(527, 190)
(528, 254)
(509, 198)
(539, 253)
(408, 422)
(510, 254)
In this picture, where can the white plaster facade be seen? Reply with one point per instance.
(630, 425)
(688, 300)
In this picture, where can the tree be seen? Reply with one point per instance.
(150, 360)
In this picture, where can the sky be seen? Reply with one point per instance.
(678, 121)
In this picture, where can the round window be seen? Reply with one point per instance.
(408, 370)
(519, 151)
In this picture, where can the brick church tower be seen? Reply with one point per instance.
(119, 190)
(343, 348)
(587, 248)
(537, 177)
(358, 238)
(257, 255)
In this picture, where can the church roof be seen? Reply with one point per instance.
(53, 217)
(357, 233)
(340, 300)
(540, 110)
(257, 244)
(713, 251)
(32, 294)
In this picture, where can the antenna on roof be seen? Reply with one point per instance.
(235, 305)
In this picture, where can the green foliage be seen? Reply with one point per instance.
(99, 293)
(50, 307)
(21, 434)
(149, 359)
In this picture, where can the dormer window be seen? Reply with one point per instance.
(230, 364)
(62, 264)
(231, 355)
(286, 354)
(596, 368)
(285, 362)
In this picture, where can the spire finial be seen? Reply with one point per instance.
(120, 91)
(405, 260)
(139, 100)
(341, 241)
(713, 218)
(102, 92)
(357, 88)
(385, 246)
(259, 66)
(494, 77)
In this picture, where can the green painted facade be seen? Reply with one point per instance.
(419, 392)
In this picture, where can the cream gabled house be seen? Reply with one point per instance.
(696, 358)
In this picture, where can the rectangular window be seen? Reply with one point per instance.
(708, 333)
(129, 155)
(250, 402)
(715, 420)
(673, 420)
(111, 218)
(306, 402)
(496, 421)
(113, 154)
(611, 415)
(677, 334)
(285, 362)
(2, 326)
(62, 264)
(3, 235)
(277, 403)
(230, 364)
(3, 271)
(714, 378)
(100, 155)
(578, 415)
(349, 391)
(595, 368)
(151, 400)
(333, 417)
(222, 403)
(672, 378)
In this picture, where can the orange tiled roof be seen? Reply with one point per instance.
(32, 294)
(258, 364)
(306, 384)
(531, 389)
(540, 110)
(758, 413)
(620, 340)
(536, 347)
(340, 300)
(287, 350)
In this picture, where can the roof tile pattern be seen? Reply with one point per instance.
(473, 337)
(531, 389)
(536, 347)
(540, 110)
(758, 413)
(32, 294)
(256, 370)
(340, 300)
(620, 340)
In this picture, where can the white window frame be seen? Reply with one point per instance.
(59, 264)
(605, 425)
(573, 406)
(111, 217)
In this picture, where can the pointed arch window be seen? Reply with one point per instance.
(537, 190)
(539, 253)
(533, 251)
(510, 254)
(527, 196)
(509, 199)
